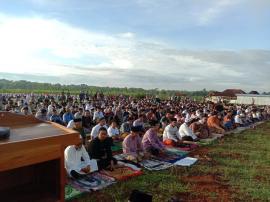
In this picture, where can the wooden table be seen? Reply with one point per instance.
(32, 159)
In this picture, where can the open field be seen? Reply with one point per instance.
(237, 168)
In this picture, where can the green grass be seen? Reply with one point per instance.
(241, 161)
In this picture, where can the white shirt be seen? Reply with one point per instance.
(70, 124)
(113, 131)
(94, 132)
(98, 115)
(73, 159)
(237, 119)
(184, 130)
(171, 133)
(88, 107)
(50, 108)
(138, 122)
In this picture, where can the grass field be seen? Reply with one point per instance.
(237, 168)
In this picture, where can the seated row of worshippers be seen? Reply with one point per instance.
(191, 129)
(77, 157)
(137, 145)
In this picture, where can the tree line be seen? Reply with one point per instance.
(23, 86)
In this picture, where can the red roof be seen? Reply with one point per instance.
(228, 93)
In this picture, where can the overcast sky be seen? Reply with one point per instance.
(166, 44)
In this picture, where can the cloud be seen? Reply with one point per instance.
(50, 50)
(214, 10)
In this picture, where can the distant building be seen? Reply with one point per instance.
(254, 92)
(255, 99)
(226, 95)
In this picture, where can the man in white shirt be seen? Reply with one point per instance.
(74, 165)
(186, 132)
(98, 114)
(95, 129)
(171, 134)
(113, 131)
(238, 120)
(71, 123)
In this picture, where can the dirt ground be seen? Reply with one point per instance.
(205, 187)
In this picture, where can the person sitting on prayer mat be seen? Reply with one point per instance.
(87, 121)
(95, 129)
(67, 116)
(171, 134)
(228, 121)
(214, 124)
(186, 132)
(200, 128)
(55, 117)
(151, 142)
(132, 145)
(73, 161)
(113, 131)
(100, 149)
(126, 127)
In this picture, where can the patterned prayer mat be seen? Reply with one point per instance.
(91, 182)
(154, 165)
(122, 173)
(171, 156)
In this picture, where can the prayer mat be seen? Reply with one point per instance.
(188, 161)
(176, 151)
(129, 165)
(71, 193)
(207, 141)
(188, 147)
(155, 165)
(122, 158)
(117, 147)
(122, 173)
(170, 157)
(91, 182)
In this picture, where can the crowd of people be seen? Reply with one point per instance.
(145, 126)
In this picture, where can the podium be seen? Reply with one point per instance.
(32, 159)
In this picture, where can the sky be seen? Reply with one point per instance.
(164, 44)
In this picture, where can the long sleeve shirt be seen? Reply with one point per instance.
(184, 130)
(73, 158)
(95, 130)
(113, 131)
(150, 139)
(132, 145)
(100, 149)
(171, 133)
(67, 117)
(98, 115)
